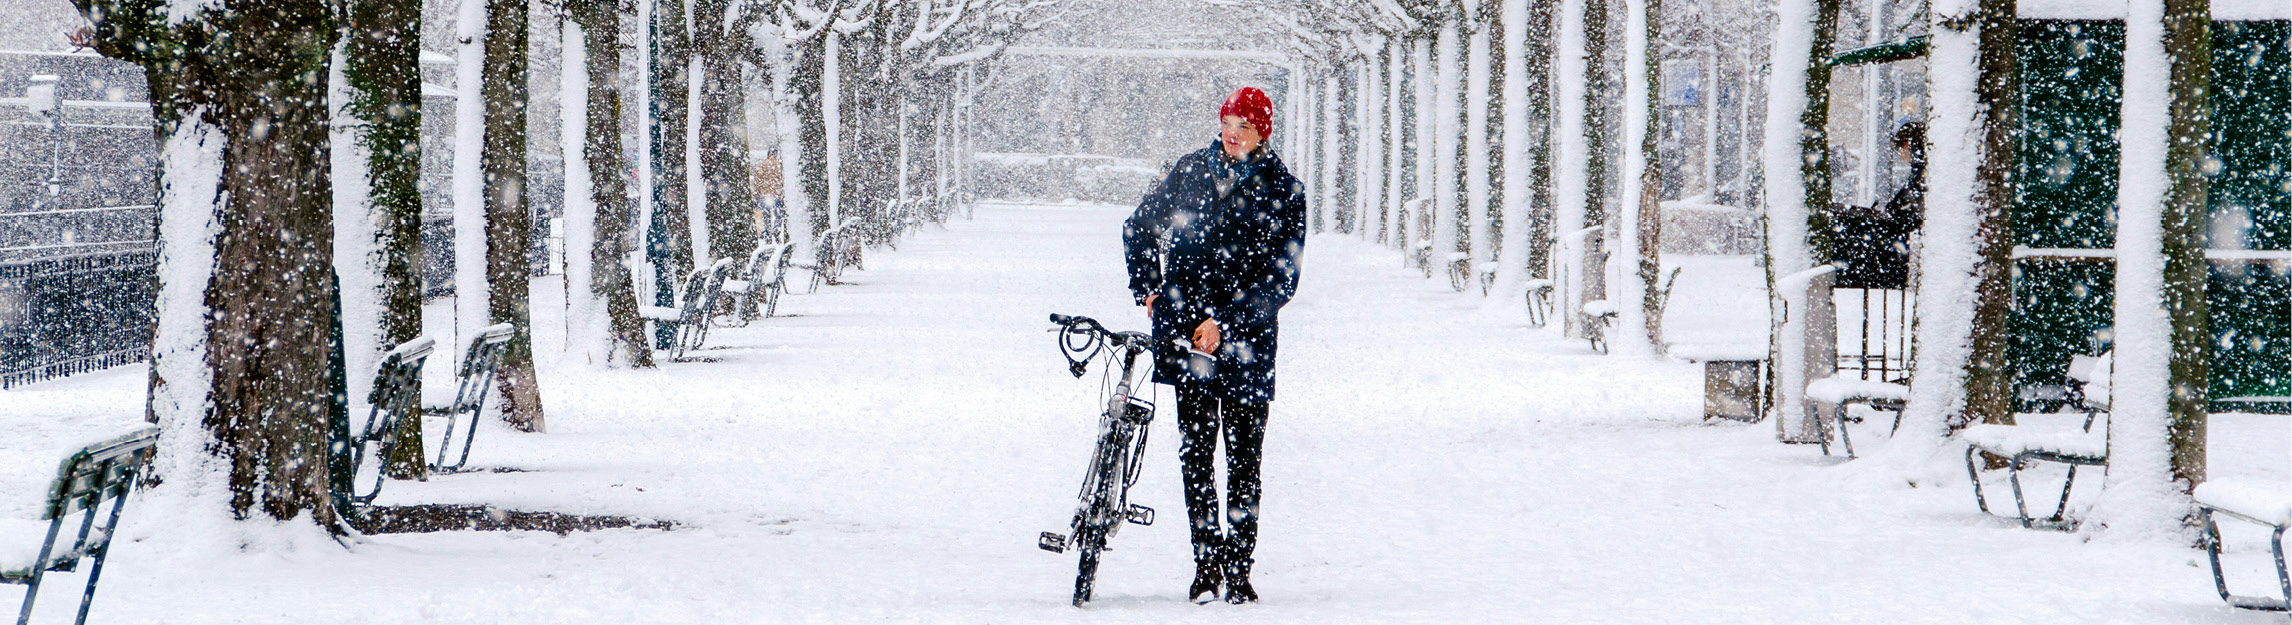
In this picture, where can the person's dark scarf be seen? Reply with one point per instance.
(1229, 171)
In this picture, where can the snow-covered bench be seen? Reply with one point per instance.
(2268, 505)
(834, 250)
(1599, 315)
(1841, 392)
(760, 286)
(1458, 265)
(696, 304)
(1539, 302)
(397, 392)
(475, 381)
(2087, 391)
(95, 474)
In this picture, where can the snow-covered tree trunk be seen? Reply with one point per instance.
(1395, 131)
(246, 371)
(900, 110)
(1572, 189)
(1476, 166)
(1427, 143)
(1315, 183)
(719, 42)
(1332, 147)
(603, 326)
(509, 221)
(1447, 149)
(1947, 259)
(2157, 407)
(781, 55)
(831, 118)
(1540, 93)
(1512, 253)
(1798, 188)
(1989, 374)
(695, 179)
(1599, 161)
(587, 338)
(1370, 196)
(1641, 321)
(377, 168)
(470, 296)
(669, 239)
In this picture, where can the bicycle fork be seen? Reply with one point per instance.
(1104, 502)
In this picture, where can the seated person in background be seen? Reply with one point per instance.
(1874, 242)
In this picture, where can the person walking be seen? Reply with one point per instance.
(1213, 254)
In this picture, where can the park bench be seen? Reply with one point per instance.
(1416, 213)
(89, 477)
(474, 383)
(2087, 391)
(761, 285)
(1539, 302)
(696, 304)
(1841, 393)
(1598, 317)
(834, 250)
(1458, 267)
(2268, 506)
(397, 392)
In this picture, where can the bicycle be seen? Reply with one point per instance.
(1104, 501)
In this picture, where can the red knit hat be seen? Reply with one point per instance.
(1252, 106)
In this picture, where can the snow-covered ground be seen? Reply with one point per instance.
(889, 450)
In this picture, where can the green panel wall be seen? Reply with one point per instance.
(2068, 168)
(2251, 199)
(2068, 196)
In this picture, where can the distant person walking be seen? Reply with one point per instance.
(1213, 254)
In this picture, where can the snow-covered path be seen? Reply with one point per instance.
(889, 452)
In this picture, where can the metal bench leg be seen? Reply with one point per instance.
(2013, 475)
(1844, 441)
(2283, 578)
(1822, 434)
(1976, 476)
(2061, 510)
(102, 553)
(39, 570)
(2211, 539)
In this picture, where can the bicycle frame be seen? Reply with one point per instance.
(1103, 503)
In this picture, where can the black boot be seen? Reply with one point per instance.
(1207, 577)
(1238, 590)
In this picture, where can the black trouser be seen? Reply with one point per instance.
(1201, 420)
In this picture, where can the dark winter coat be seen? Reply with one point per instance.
(1231, 257)
(1874, 243)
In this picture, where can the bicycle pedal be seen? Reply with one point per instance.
(1141, 515)
(1051, 542)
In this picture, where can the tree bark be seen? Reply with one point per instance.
(1989, 376)
(2188, 44)
(255, 73)
(1650, 226)
(670, 244)
(809, 83)
(509, 221)
(383, 46)
(1539, 77)
(731, 206)
(610, 280)
(1598, 95)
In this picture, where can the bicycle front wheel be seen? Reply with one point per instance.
(1091, 542)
